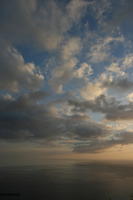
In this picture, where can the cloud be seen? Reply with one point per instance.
(121, 114)
(84, 71)
(30, 24)
(96, 146)
(40, 23)
(130, 97)
(101, 50)
(57, 30)
(115, 78)
(113, 109)
(62, 74)
(27, 118)
(15, 74)
(84, 128)
(114, 67)
(128, 61)
(68, 71)
(65, 71)
(76, 9)
(71, 48)
(120, 83)
(100, 104)
(92, 90)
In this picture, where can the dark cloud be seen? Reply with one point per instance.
(36, 22)
(101, 104)
(94, 146)
(119, 83)
(109, 106)
(23, 22)
(121, 114)
(28, 118)
(25, 118)
(113, 110)
(97, 145)
(84, 128)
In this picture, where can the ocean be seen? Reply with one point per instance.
(68, 180)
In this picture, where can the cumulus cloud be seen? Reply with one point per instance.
(68, 71)
(62, 74)
(92, 90)
(41, 23)
(84, 71)
(128, 61)
(114, 67)
(65, 71)
(71, 48)
(26, 24)
(113, 109)
(114, 78)
(15, 74)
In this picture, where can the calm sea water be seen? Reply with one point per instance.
(69, 180)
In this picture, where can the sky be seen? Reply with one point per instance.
(66, 86)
